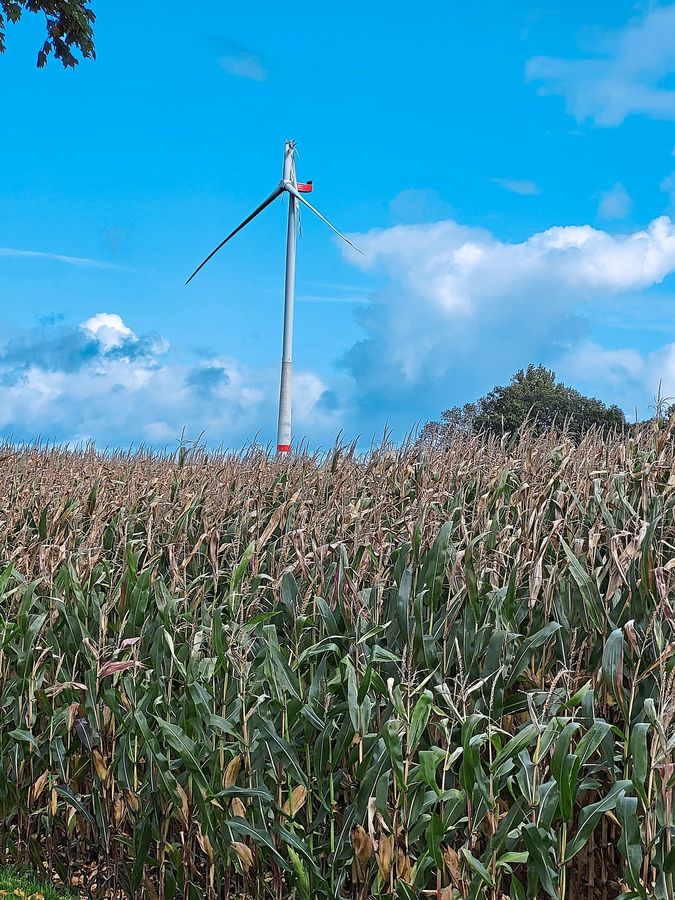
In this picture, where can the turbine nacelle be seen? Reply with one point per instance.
(288, 186)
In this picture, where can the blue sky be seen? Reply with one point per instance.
(508, 170)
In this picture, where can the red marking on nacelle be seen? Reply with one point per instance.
(305, 187)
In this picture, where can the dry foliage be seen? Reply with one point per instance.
(442, 673)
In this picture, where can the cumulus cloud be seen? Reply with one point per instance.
(100, 341)
(100, 380)
(524, 186)
(108, 330)
(591, 364)
(625, 73)
(462, 309)
(618, 373)
(616, 203)
(457, 311)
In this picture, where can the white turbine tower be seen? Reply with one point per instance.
(288, 185)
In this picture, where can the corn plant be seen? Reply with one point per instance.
(442, 673)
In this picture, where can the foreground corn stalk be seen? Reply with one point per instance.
(445, 674)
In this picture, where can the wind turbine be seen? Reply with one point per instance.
(288, 185)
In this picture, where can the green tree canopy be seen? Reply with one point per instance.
(70, 27)
(533, 395)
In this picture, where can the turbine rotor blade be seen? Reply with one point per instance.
(298, 196)
(272, 197)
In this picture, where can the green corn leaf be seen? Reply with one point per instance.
(562, 748)
(143, 836)
(20, 734)
(514, 746)
(512, 857)
(612, 663)
(249, 793)
(476, 866)
(280, 750)
(295, 843)
(352, 700)
(419, 719)
(433, 574)
(185, 747)
(590, 742)
(405, 891)
(434, 835)
(590, 816)
(307, 712)
(540, 859)
(301, 874)
(578, 698)
(516, 889)
(260, 837)
(392, 742)
(669, 862)
(526, 650)
(168, 640)
(567, 783)
(592, 601)
(630, 842)
(240, 569)
(403, 602)
(639, 757)
(75, 802)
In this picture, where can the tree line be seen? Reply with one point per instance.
(533, 396)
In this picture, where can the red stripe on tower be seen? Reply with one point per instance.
(283, 448)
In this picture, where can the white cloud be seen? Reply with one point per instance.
(457, 310)
(616, 203)
(79, 261)
(624, 74)
(109, 330)
(463, 310)
(615, 374)
(458, 267)
(524, 186)
(307, 391)
(243, 64)
(101, 380)
(592, 364)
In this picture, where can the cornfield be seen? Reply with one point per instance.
(442, 673)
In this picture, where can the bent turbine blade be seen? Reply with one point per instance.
(298, 196)
(272, 197)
